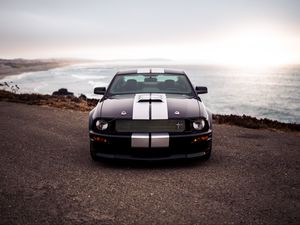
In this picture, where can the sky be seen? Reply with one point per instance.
(196, 31)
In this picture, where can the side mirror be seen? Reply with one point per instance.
(201, 90)
(99, 90)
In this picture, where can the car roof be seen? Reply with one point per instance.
(150, 71)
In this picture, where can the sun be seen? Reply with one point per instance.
(258, 48)
(249, 47)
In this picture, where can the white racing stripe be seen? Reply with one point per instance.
(160, 140)
(148, 70)
(159, 110)
(141, 107)
(140, 140)
(158, 70)
(141, 110)
(143, 70)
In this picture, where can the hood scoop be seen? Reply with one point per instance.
(150, 98)
(150, 106)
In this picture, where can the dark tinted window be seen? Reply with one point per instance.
(154, 83)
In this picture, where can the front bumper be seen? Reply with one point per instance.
(180, 146)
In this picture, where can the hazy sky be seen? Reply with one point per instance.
(213, 31)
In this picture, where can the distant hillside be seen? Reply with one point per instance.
(17, 66)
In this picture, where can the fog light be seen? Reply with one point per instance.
(204, 138)
(199, 139)
(100, 139)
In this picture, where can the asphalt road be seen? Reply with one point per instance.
(47, 177)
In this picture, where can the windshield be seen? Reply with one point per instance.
(151, 83)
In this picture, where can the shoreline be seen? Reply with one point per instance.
(11, 67)
(85, 104)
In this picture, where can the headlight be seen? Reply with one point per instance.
(101, 125)
(199, 124)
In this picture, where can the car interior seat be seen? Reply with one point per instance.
(130, 85)
(169, 84)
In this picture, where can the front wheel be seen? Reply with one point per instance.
(93, 153)
(207, 155)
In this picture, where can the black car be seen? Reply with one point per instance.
(150, 114)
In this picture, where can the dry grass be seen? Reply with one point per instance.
(64, 102)
(254, 123)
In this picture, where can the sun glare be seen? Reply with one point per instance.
(258, 48)
(255, 47)
(251, 47)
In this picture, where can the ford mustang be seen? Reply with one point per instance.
(150, 114)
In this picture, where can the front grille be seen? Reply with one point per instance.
(150, 125)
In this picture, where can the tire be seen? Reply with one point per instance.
(93, 153)
(207, 155)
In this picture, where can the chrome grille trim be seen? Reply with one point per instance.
(150, 126)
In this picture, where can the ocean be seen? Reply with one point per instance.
(270, 92)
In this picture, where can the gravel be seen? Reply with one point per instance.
(48, 177)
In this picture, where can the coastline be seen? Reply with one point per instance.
(85, 104)
(10, 67)
(246, 92)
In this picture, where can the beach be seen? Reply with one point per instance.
(48, 177)
(9, 67)
(18, 66)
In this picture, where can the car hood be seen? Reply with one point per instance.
(150, 106)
